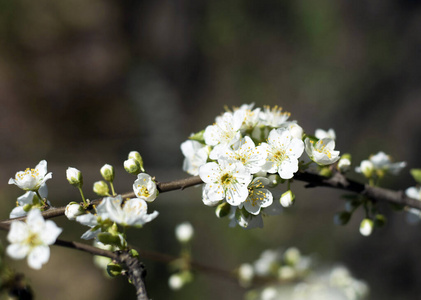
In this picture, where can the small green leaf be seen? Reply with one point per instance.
(416, 173)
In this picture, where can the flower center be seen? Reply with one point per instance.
(33, 240)
(28, 172)
(143, 192)
(227, 179)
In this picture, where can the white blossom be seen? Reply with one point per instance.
(145, 188)
(184, 232)
(225, 130)
(32, 239)
(227, 180)
(382, 161)
(32, 179)
(132, 212)
(295, 129)
(196, 155)
(283, 153)
(245, 152)
(322, 152)
(273, 117)
(378, 165)
(258, 196)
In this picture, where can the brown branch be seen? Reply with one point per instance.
(337, 181)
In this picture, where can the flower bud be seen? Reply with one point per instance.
(292, 256)
(178, 280)
(131, 166)
(245, 274)
(73, 210)
(366, 168)
(287, 199)
(138, 158)
(101, 188)
(107, 172)
(222, 210)
(184, 232)
(344, 163)
(74, 177)
(366, 227)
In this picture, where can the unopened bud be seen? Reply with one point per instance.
(132, 166)
(73, 210)
(366, 227)
(344, 163)
(137, 157)
(287, 199)
(101, 188)
(74, 177)
(184, 232)
(107, 172)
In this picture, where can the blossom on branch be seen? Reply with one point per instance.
(283, 152)
(32, 179)
(133, 212)
(225, 180)
(32, 239)
(322, 152)
(145, 188)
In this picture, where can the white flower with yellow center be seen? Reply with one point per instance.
(145, 188)
(322, 152)
(32, 239)
(244, 151)
(196, 154)
(32, 179)
(283, 151)
(273, 117)
(258, 197)
(225, 180)
(225, 131)
(132, 212)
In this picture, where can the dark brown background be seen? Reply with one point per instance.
(82, 83)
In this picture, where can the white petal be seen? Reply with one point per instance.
(209, 172)
(38, 256)
(18, 232)
(50, 233)
(236, 194)
(35, 220)
(41, 167)
(17, 251)
(17, 212)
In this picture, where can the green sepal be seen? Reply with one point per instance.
(222, 210)
(198, 136)
(379, 220)
(114, 269)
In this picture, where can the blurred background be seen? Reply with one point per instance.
(82, 83)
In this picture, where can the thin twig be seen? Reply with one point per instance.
(337, 181)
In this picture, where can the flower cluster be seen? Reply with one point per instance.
(236, 156)
(299, 278)
(113, 211)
